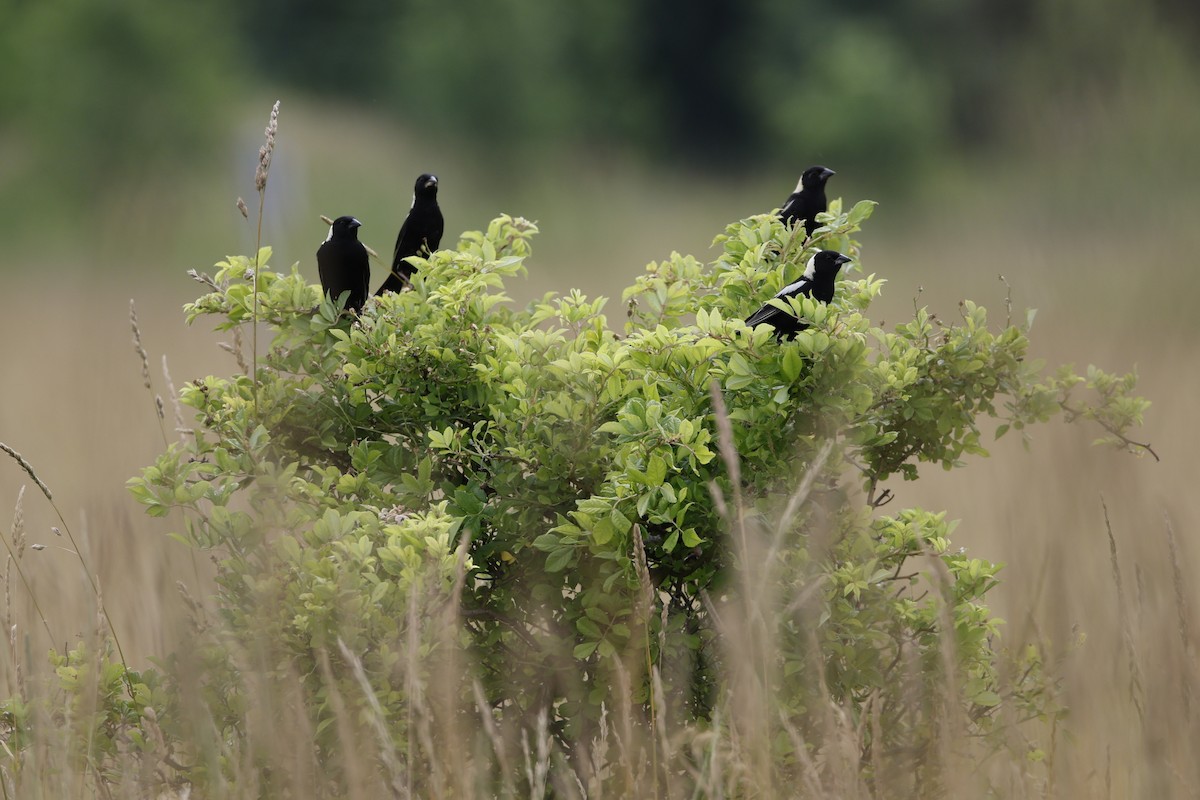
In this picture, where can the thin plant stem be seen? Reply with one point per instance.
(25, 465)
(260, 183)
(25, 581)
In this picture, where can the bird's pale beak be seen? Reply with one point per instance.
(429, 184)
(827, 173)
(354, 223)
(843, 260)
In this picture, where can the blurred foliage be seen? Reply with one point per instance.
(97, 91)
(887, 84)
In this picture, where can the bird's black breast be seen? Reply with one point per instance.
(420, 234)
(804, 204)
(344, 266)
(821, 290)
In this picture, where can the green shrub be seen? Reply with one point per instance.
(631, 504)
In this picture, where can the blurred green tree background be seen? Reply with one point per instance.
(128, 114)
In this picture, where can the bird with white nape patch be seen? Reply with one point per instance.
(420, 234)
(817, 282)
(808, 200)
(344, 265)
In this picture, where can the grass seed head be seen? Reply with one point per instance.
(25, 465)
(267, 151)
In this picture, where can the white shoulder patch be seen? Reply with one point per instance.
(792, 288)
(330, 236)
(810, 270)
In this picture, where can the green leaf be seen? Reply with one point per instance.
(620, 521)
(791, 364)
(558, 559)
(604, 530)
(547, 541)
(671, 542)
(656, 471)
(588, 628)
(861, 212)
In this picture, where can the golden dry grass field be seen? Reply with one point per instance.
(1118, 295)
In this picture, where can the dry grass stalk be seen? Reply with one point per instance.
(626, 739)
(180, 428)
(355, 778)
(499, 748)
(238, 351)
(537, 769)
(951, 732)
(809, 774)
(18, 523)
(797, 498)
(25, 465)
(18, 667)
(9, 624)
(265, 154)
(145, 360)
(420, 715)
(1182, 613)
(267, 151)
(15, 551)
(1136, 692)
(750, 642)
(137, 343)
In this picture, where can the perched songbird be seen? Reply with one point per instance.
(343, 265)
(808, 200)
(420, 234)
(817, 282)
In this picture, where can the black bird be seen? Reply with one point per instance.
(817, 282)
(808, 200)
(343, 265)
(420, 234)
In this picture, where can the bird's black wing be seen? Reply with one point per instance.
(364, 285)
(397, 279)
(330, 271)
(791, 207)
(778, 318)
(394, 283)
(420, 234)
(404, 247)
(804, 204)
(768, 314)
(433, 239)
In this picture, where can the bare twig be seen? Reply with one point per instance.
(1076, 413)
